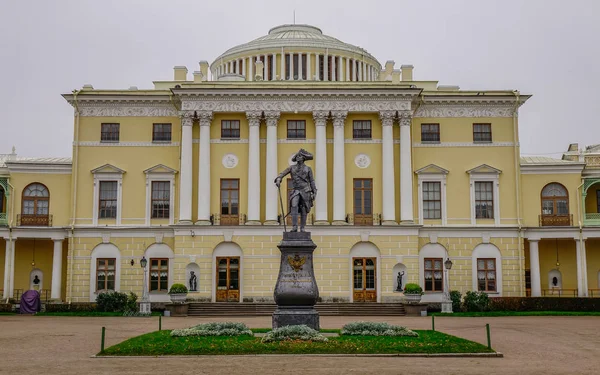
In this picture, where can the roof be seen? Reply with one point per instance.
(295, 36)
(544, 160)
(19, 160)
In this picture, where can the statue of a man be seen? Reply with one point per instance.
(304, 189)
(193, 281)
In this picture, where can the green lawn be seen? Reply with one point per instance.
(161, 343)
(520, 313)
(7, 313)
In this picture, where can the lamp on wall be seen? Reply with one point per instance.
(132, 262)
(448, 264)
(557, 262)
(33, 255)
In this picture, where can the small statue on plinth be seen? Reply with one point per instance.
(399, 281)
(193, 281)
(304, 190)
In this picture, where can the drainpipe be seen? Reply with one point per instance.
(10, 222)
(518, 193)
(71, 251)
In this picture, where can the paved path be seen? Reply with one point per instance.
(531, 345)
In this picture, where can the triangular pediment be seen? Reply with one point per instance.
(431, 169)
(108, 168)
(484, 168)
(160, 168)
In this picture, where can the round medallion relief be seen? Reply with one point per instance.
(362, 160)
(230, 161)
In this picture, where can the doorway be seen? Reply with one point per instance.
(228, 279)
(364, 279)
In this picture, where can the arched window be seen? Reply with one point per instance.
(555, 205)
(36, 199)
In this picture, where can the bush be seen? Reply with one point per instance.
(375, 329)
(116, 302)
(5, 307)
(178, 289)
(214, 329)
(476, 301)
(301, 332)
(74, 307)
(544, 304)
(413, 289)
(456, 297)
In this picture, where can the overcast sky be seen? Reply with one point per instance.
(548, 48)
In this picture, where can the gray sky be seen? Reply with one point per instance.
(548, 48)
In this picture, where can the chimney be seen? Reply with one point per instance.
(198, 77)
(180, 73)
(204, 70)
(388, 71)
(396, 76)
(259, 70)
(407, 72)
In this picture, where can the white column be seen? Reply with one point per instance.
(244, 68)
(265, 68)
(300, 67)
(273, 67)
(534, 267)
(581, 268)
(271, 170)
(250, 69)
(320, 118)
(326, 67)
(364, 70)
(56, 270)
(253, 216)
(308, 68)
(8, 268)
(317, 70)
(291, 66)
(339, 171)
(185, 174)
(360, 71)
(339, 77)
(205, 118)
(406, 193)
(333, 70)
(282, 70)
(347, 69)
(368, 73)
(387, 157)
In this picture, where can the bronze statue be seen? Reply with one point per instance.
(193, 281)
(304, 189)
(399, 281)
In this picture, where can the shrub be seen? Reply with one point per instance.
(5, 307)
(116, 302)
(301, 332)
(411, 288)
(476, 301)
(456, 297)
(178, 289)
(214, 329)
(74, 307)
(376, 329)
(544, 304)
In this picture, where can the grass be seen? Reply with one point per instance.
(86, 313)
(521, 313)
(7, 313)
(161, 343)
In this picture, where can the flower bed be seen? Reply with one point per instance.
(376, 329)
(300, 332)
(214, 329)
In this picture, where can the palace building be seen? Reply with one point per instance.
(409, 173)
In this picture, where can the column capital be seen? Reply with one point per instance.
(10, 239)
(58, 239)
(320, 117)
(187, 118)
(387, 117)
(272, 117)
(204, 117)
(534, 239)
(254, 117)
(339, 117)
(404, 118)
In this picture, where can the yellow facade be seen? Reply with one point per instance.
(510, 228)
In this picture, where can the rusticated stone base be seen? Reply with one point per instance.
(296, 315)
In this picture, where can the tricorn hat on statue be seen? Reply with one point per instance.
(307, 155)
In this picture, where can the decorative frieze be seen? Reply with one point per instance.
(436, 110)
(155, 110)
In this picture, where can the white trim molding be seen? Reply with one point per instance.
(125, 144)
(464, 144)
(107, 172)
(485, 173)
(160, 172)
(432, 173)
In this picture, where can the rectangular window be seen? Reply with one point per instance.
(430, 133)
(159, 275)
(161, 133)
(434, 274)
(432, 200)
(361, 129)
(597, 201)
(230, 193)
(109, 133)
(105, 274)
(486, 274)
(296, 129)
(161, 199)
(107, 204)
(230, 129)
(484, 200)
(1, 199)
(482, 132)
(363, 201)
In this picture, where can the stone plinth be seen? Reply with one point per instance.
(296, 290)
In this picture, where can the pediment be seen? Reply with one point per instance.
(431, 169)
(160, 168)
(484, 168)
(108, 168)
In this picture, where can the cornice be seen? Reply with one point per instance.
(465, 109)
(463, 144)
(125, 144)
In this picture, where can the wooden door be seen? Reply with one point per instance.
(363, 201)
(230, 194)
(228, 279)
(365, 279)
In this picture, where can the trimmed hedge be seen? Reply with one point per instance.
(5, 307)
(74, 307)
(544, 304)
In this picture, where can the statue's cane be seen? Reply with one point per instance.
(282, 211)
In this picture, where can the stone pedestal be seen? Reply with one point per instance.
(414, 309)
(296, 290)
(178, 309)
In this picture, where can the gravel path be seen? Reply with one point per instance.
(531, 345)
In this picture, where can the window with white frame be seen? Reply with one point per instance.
(484, 200)
(485, 193)
(160, 201)
(432, 193)
(108, 193)
(486, 274)
(432, 200)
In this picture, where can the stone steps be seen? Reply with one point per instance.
(324, 309)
